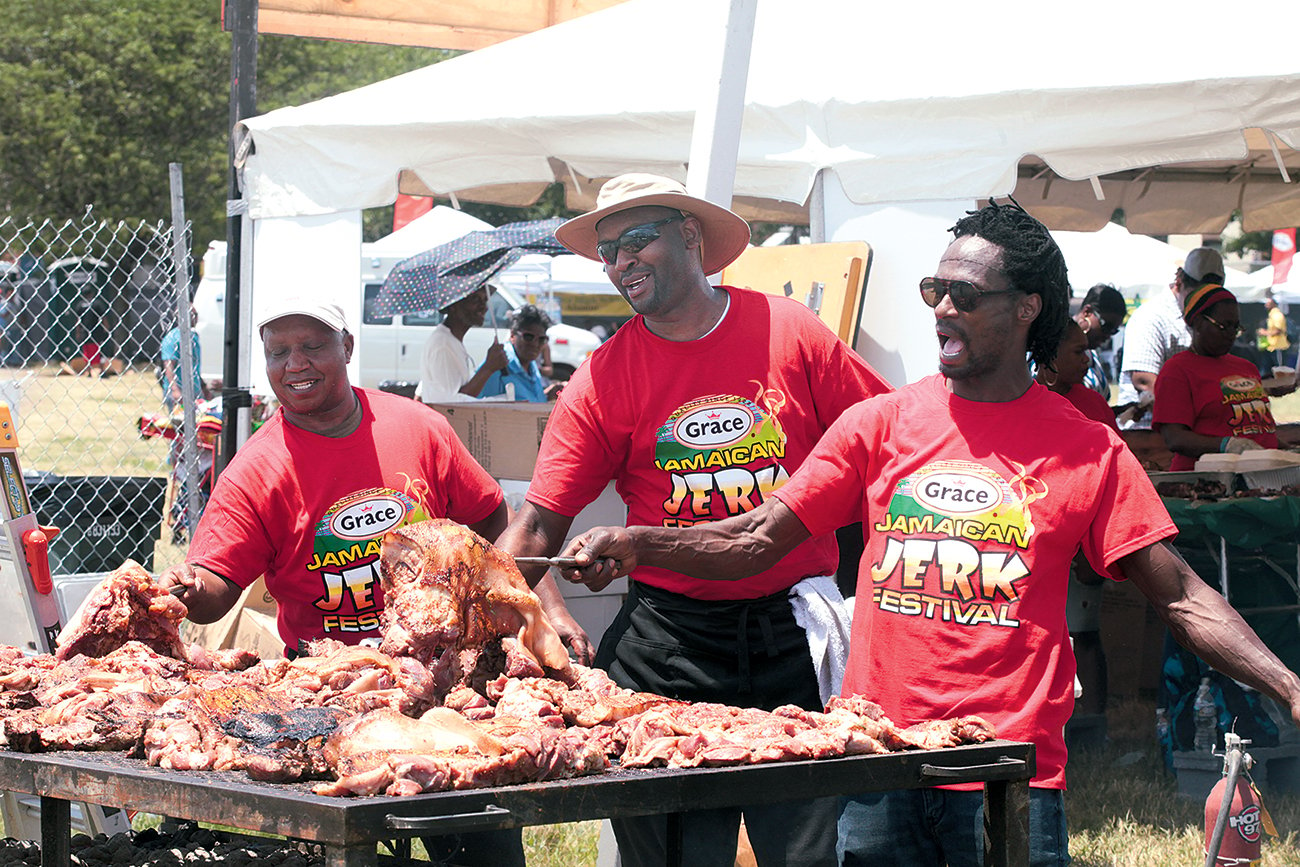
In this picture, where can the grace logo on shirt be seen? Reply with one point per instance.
(961, 493)
(1249, 411)
(722, 454)
(1241, 384)
(714, 426)
(345, 555)
(953, 536)
(367, 518)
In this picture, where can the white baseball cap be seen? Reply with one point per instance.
(301, 305)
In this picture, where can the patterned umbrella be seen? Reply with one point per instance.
(436, 278)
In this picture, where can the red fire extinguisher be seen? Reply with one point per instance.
(1234, 819)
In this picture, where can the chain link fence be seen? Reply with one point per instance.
(85, 308)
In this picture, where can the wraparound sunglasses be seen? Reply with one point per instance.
(633, 240)
(965, 295)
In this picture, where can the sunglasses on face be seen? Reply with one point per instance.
(965, 295)
(531, 338)
(633, 240)
(1235, 330)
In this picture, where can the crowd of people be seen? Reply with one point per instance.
(741, 434)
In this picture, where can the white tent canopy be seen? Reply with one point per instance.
(902, 102)
(433, 228)
(1261, 283)
(1136, 265)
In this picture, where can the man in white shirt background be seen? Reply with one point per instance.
(1156, 332)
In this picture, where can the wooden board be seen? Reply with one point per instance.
(797, 270)
(453, 24)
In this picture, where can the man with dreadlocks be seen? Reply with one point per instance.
(976, 487)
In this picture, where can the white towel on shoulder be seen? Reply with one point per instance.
(827, 619)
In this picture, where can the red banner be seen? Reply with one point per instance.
(1283, 250)
(407, 208)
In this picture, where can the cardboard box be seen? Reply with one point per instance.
(256, 631)
(245, 625)
(502, 436)
(1132, 635)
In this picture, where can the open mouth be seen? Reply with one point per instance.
(632, 284)
(300, 387)
(950, 346)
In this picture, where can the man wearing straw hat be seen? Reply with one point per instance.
(698, 409)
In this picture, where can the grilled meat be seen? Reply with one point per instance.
(126, 606)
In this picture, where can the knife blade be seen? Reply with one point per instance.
(562, 562)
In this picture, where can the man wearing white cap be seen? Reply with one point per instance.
(1156, 333)
(332, 452)
(698, 409)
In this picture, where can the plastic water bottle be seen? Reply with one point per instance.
(1162, 725)
(1206, 717)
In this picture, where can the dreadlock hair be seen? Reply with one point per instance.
(1034, 265)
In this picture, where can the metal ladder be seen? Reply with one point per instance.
(30, 610)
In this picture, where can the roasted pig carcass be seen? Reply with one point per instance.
(262, 732)
(447, 589)
(126, 606)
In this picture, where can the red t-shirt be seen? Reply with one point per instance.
(308, 511)
(1092, 405)
(972, 513)
(705, 429)
(1218, 397)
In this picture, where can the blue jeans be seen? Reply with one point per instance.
(921, 827)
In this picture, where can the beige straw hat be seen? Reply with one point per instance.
(726, 235)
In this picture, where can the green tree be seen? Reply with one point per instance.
(1250, 242)
(102, 96)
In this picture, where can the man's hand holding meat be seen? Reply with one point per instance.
(306, 501)
(206, 594)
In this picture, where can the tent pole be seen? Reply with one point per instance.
(715, 137)
(241, 21)
(817, 209)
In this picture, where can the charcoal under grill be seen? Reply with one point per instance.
(351, 827)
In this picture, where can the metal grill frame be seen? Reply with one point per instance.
(350, 828)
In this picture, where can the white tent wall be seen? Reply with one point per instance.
(316, 256)
(897, 336)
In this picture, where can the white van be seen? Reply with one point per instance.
(391, 346)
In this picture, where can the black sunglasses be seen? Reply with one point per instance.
(533, 338)
(633, 240)
(965, 295)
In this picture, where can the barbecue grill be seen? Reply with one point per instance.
(350, 828)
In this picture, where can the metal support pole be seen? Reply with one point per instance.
(241, 20)
(1006, 823)
(189, 451)
(715, 137)
(56, 832)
